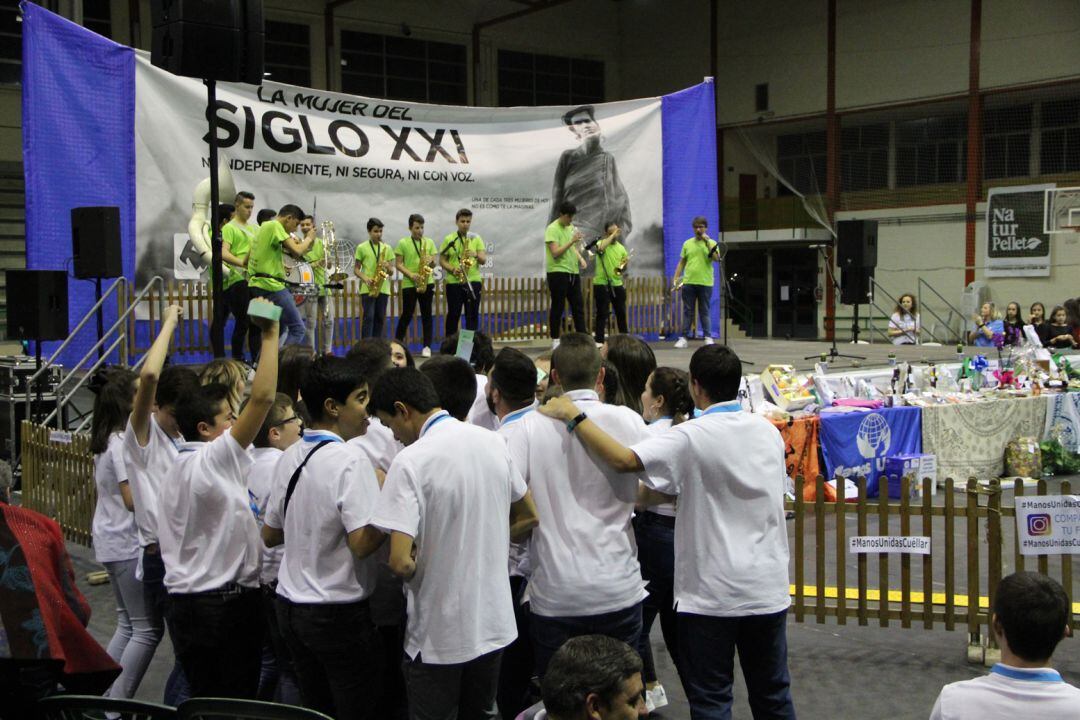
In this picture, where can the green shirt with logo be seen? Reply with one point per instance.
(698, 266)
(453, 246)
(368, 254)
(409, 251)
(560, 234)
(265, 257)
(315, 255)
(237, 238)
(606, 262)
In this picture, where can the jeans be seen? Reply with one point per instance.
(549, 633)
(236, 304)
(605, 297)
(318, 316)
(218, 639)
(177, 689)
(335, 651)
(374, 315)
(517, 660)
(702, 295)
(565, 287)
(293, 331)
(707, 647)
(458, 297)
(462, 691)
(137, 635)
(277, 676)
(409, 298)
(655, 536)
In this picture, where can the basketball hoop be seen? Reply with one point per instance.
(1061, 211)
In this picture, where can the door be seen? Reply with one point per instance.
(748, 286)
(748, 202)
(794, 306)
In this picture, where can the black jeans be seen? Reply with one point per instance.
(457, 297)
(336, 654)
(655, 535)
(236, 304)
(549, 633)
(177, 689)
(605, 297)
(517, 660)
(707, 646)
(374, 315)
(565, 286)
(462, 691)
(218, 639)
(409, 297)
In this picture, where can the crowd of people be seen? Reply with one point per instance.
(1060, 329)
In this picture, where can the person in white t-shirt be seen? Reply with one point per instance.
(209, 539)
(1031, 615)
(585, 573)
(280, 430)
(731, 551)
(324, 492)
(445, 504)
(904, 327)
(481, 359)
(455, 383)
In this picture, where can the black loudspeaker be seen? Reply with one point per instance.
(209, 39)
(856, 244)
(95, 242)
(855, 285)
(37, 305)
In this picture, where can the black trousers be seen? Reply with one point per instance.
(516, 673)
(457, 297)
(236, 304)
(462, 691)
(607, 296)
(409, 298)
(565, 287)
(218, 640)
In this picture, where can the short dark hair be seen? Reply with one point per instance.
(242, 196)
(309, 217)
(404, 385)
(700, 220)
(586, 665)
(1033, 610)
(201, 405)
(291, 210)
(374, 223)
(577, 361)
(514, 376)
(279, 410)
(454, 381)
(416, 218)
(292, 362)
(567, 208)
(328, 377)
(174, 383)
(717, 369)
(611, 382)
(482, 356)
(371, 356)
(463, 212)
(568, 116)
(225, 211)
(264, 215)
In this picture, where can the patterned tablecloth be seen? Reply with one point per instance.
(1063, 420)
(800, 446)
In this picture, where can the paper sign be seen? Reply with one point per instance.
(60, 436)
(464, 345)
(785, 293)
(1048, 524)
(906, 545)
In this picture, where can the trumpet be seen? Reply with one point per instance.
(425, 273)
(382, 271)
(621, 267)
(337, 255)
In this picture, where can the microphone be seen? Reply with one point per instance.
(593, 243)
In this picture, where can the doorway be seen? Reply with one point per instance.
(794, 305)
(748, 201)
(748, 284)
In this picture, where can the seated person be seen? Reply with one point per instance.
(1030, 616)
(1037, 320)
(904, 325)
(986, 325)
(1058, 332)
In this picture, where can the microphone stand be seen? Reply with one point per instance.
(725, 290)
(833, 352)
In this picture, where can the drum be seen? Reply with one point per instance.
(300, 278)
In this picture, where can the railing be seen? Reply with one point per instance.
(875, 287)
(984, 520)
(930, 328)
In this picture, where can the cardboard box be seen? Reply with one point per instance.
(785, 389)
(917, 466)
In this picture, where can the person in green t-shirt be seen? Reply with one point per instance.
(608, 290)
(456, 247)
(696, 259)
(371, 257)
(412, 254)
(236, 237)
(564, 264)
(318, 313)
(266, 267)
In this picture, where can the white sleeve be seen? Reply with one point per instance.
(662, 456)
(138, 455)
(517, 444)
(115, 458)
(518, 488)
(229, 458)
(274, 516)
(358, 493)
(399, 505)
(936, 713)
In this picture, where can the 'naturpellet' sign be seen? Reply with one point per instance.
(1016, 245)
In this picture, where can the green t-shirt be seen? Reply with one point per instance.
(606, 263)
(314, 255)
(451, 250)
(237, 238)
(407, 251)
(698, 268)
(567, 262)
(265, 257)
(366, 256)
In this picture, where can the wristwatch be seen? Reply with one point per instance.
(570, 426)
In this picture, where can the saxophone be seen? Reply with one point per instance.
(382, 271)
(425, 273)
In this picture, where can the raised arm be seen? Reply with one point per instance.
(143, 404)
(264, 386)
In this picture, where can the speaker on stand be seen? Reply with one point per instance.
(856, 254)
(95, 251)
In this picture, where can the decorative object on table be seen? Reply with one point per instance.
(1023, 457)
(914, 465)
(1057, 460)
(785, 388)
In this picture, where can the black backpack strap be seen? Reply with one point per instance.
(296, 476)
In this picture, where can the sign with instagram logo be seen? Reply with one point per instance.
(1048, 524)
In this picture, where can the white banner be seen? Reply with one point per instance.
(1048, 524)
(902, 544)
(359, 158)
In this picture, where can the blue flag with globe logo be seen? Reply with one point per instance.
(857, 443)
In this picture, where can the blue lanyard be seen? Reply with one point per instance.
(516, 415)
(729, 407)
(435, 421)
(253, 503)
(1033, 676)
(314, 436)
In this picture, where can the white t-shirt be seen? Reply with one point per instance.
(260, 479)
(451, 490)
(583, 554)
(378, 444)
(519, 551)
(909, 324)
(731, 548)
(208, 537)
(1008, 693)
(660, 426)
(336, 494)
(114, 532)
(480, 414)
(146, 468)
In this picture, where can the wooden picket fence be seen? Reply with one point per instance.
(972, 518)
(58, 479)
(512, 309)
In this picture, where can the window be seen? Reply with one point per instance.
(288, 52)
(399, 68)
(97, 17)
(931, 150)
(1007, 142)
(801, 161)
(1060, 124)
(10, 42)
(761, 97)
(864, 157)
(529, 79)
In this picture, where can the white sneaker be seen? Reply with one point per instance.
(554, 343)
(426, 352)
(709, 340)
(680, 343)
(655, 698)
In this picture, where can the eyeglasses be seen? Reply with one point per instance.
(299, 420)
